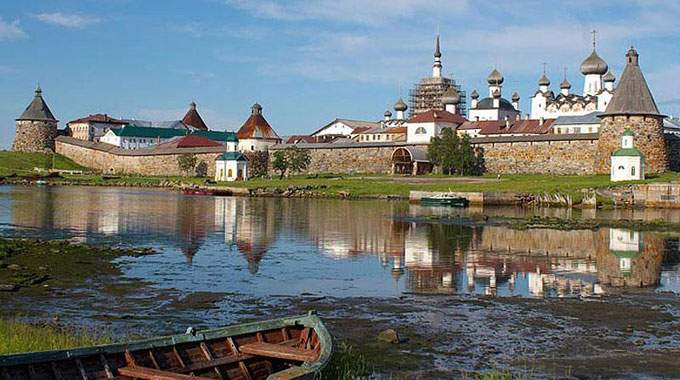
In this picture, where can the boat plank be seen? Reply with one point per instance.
(55, 371)
(209, 356)
(107, 368)
(241, 364)
(278, 351)
(153, 360)
(178, 356)
(83, 373)
(155, 374)
(226, 360)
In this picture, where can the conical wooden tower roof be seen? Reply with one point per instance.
(38, 109)
(632, 96)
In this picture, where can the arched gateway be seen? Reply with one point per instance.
(410, 161)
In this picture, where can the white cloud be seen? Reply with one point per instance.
(10, 31)
(74, 21)
(375, 12)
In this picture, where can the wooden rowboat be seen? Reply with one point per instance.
(444, 200)
(287, 348)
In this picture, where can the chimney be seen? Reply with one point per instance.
(507, 122)
(540, 121)
(518, 117)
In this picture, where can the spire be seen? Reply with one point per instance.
(37, 110)
(632, 96)
(437, 66)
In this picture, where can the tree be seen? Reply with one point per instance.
(187, 162)
(455, 155)
(280, 163)
(291, 159)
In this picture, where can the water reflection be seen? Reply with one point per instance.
(344, 248)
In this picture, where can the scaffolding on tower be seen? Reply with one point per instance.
(427, 95)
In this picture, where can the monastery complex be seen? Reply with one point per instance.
(564, 132)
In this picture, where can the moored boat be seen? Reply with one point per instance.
(444, 200)
(280, 349)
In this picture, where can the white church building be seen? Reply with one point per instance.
(627, 162)
(598, 89)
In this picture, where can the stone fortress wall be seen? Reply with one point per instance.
(553, 154)
(110, 159)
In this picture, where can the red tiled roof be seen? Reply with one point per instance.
(256, 127)
(294, 139)
(98, 118)
(433, 116)
(189, 141)
(359, 130)
(498, 127)
(193, 119)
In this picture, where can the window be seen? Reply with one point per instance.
(420, 131)
(229, 173)
(622, 168)
(632, 170)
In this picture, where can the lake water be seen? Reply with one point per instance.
(273, 246)
(468, 297)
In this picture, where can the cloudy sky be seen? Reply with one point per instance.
(307, 61)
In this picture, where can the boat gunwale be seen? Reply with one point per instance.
(309, 320)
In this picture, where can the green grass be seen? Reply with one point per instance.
(386, 185)
(20, 163)
(16, 336)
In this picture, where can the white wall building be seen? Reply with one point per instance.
(421, 128)
(588, 123)
(598, 90)
(231, 166)
(627, 162)
(256, 134)
(493, 107)
(134, 137)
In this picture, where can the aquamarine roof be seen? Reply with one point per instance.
(232, 156)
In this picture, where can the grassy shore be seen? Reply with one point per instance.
(21, 164)
(16, 336)
(368, 185)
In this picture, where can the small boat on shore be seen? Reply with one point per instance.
(279, 349)
(206, 191)
(444, 199)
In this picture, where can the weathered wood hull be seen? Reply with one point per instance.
(281, 349)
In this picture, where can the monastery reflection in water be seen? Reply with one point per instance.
(421, 257)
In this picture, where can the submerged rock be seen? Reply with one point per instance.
(389, 336)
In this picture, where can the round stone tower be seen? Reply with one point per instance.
(632, 107)
(36, 127)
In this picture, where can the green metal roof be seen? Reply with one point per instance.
(628, 132)
(626, 254)
(232, 156)
(132, 130)
(217, 136)
(627, 152)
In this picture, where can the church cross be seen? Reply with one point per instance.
(594, 33)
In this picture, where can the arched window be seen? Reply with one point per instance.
(632, 170)
(420, 131)
(229, 173)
